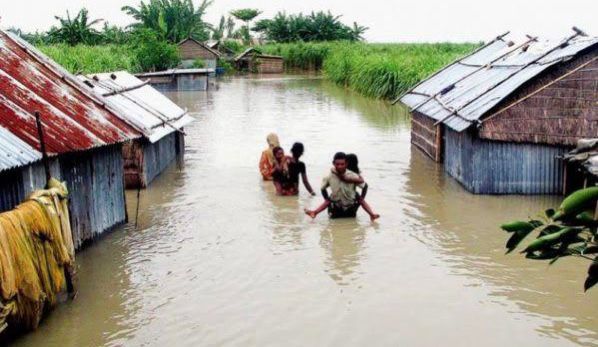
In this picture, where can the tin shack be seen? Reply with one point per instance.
(83, 139)
(179, 80)
(192, 50)
(252, 60)
(159, 119)
(501, 118)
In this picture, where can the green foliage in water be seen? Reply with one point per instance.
(375, 70)
(569, 231)
(93, 59)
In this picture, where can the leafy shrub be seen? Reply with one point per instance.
(154, 53)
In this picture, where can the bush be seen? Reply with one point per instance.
(198, 64)
(226, 65)
(93, 59)
(154, 53)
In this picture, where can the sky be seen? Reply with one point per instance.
(389, 21)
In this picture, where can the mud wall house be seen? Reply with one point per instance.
(83, 139)
(191, 50)
(253, 61)
(501, 118)
(159, 120)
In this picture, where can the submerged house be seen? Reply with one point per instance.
(191, 50)
(159, 119)
(501, 118)
(82, 136)
(253, 61)
(179, 80)
(220, 47)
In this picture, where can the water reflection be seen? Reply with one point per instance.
(343, 241)
(464, 228)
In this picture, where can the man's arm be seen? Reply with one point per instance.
(325, 194)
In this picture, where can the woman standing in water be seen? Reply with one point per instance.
(267, 160)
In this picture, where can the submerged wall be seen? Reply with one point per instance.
(144, 161)
(491, 167)
(180, 82)
(158, 156)
(95, 183)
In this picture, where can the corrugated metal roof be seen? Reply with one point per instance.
(14, 152)
(74, 118)
(139, 104)
(252, 49)
(174, 72)
(464, 91)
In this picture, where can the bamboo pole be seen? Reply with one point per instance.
(499, 37)
(560, 45)
(478, 69)
(42, 144)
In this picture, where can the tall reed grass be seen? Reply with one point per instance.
(93, 59)
(375, 70)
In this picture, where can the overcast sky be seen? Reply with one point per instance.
(389, 21)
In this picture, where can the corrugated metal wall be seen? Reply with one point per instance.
(489, 167)
(95, 183)
(158, 156)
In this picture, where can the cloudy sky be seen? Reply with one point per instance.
(389, 21)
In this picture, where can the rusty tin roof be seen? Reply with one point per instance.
(74, 118)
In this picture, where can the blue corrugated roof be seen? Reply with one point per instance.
(464, 91)
(14, 152)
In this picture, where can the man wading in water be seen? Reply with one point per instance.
(343, 201)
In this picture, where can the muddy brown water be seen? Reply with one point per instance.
(218, 259)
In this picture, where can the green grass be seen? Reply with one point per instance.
(93, 59)
(375, 70)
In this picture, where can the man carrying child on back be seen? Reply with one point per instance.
(343, 200)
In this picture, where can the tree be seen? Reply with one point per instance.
(173, 20)
(569, 231)
(245, 15)
(317, 26)
(218, 32)
(153, 53)
(75, 30)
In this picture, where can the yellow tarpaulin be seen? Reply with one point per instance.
(37, 256)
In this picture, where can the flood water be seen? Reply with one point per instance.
(218, 259)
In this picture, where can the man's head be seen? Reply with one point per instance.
(278, 152)
(340, 162)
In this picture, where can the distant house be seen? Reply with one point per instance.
(160, 121)
(180, 80)
(83, 139)
(191, 50)
(224, 51)
(501, 118)
(253, 61)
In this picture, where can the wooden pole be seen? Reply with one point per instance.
(40, 134)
